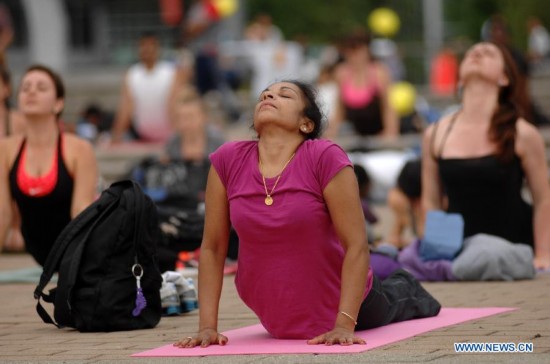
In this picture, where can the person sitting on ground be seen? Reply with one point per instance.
(364, 182)
(185, 163)
(303, 257)
(482, 154)
(404, 201)
(363, 91)
(195, 139)
(50, 174)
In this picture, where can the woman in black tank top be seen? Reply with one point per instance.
(50, 175)
(482, 155)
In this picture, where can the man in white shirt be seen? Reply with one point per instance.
(145, 95)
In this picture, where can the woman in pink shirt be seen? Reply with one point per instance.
(303, 256)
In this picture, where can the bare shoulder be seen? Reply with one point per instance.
(75, 146)
(9, 146)
(527, 132)
(527, 136)
(441, 124)
(339, 71)
(381, 69)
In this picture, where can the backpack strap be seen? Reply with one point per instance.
(139, 198)
(61, 244)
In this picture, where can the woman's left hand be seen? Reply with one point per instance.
(337, 336)
(541, 262)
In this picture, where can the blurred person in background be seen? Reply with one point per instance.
(6, 34)
(404, 201)
(538, 40)
(363, 91)
(145, 96)
(204, 27)
(194, 137)
(498, 32)
(12, 122)
(50, 174)
(266, 52)
(94, 123)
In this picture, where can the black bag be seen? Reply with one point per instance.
(181, 229)
(98, 256)
(176, 179)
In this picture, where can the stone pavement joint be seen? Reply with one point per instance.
(25, 338)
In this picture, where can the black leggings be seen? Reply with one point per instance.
(399, 297)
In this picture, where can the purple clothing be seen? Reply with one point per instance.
(290, 258)
(369, 215)
(429, 270)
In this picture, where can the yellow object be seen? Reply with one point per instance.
(225, 7)
(384, 21)
(402, 97)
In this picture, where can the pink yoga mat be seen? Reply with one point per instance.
(255, 340)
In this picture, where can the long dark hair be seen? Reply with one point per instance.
(312, 111)
(513, 103)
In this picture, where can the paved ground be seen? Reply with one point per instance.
(24, 338)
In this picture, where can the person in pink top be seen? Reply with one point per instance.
(363, 84)
(303, 255)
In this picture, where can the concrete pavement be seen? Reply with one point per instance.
(24, 338)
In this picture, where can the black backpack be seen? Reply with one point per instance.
(98, 257)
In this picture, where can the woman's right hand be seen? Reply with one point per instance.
(203, 338)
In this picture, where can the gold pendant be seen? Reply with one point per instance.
(268, 201)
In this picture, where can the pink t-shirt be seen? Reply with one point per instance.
(290, 258)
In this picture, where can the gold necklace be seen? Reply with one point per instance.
(268, 199)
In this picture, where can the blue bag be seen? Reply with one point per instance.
(443, 235)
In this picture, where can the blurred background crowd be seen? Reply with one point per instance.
(175, 78)
(230, 49)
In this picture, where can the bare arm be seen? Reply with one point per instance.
(431, 184)
(531, 149)
(336, 120)
(213, 252)
(124, 113)
(338, 114)
(5, 196)
(342, 198)
(390, 118)
(84, 170)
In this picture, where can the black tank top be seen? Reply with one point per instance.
(366, 120)
(487, 192)
(43, 218)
